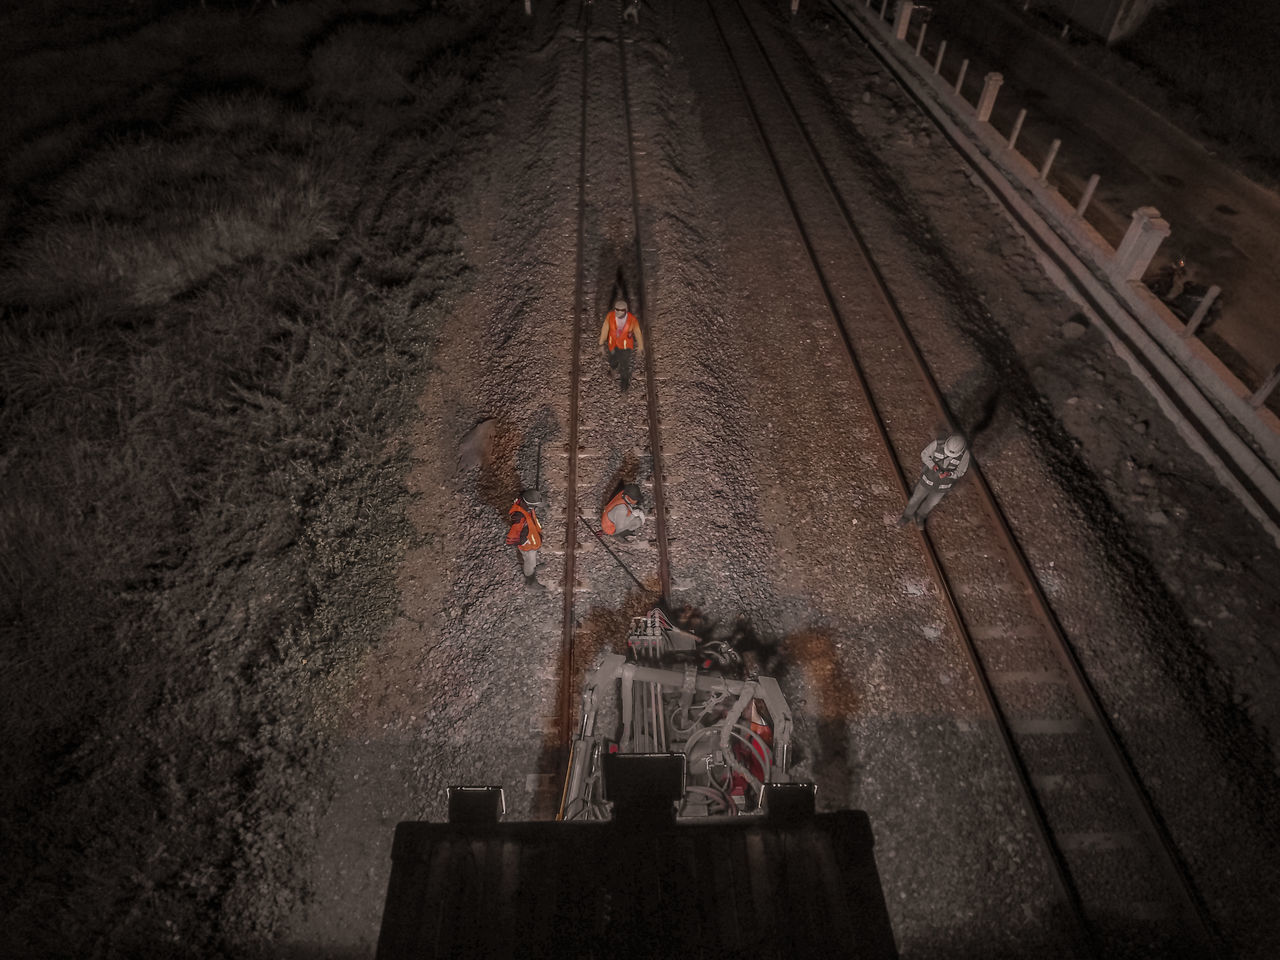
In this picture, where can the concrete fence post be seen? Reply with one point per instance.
(942, 50)
(964, 68)
(1260, 395)
(528, 8)
(924, 25)
(1017, 127)
(902, 20)
(990, 87)
(1145, 234)
(884, 6)
(795, 5)
(1087, 196)
(1202, 311)
(1048, 160)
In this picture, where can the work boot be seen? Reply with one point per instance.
(903, 520)
(919, 523)
(531, 583)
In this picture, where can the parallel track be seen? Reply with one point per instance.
(1056, 744)
(581, 316)
(564, 698)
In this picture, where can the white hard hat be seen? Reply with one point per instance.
(954, 446)
(620, 306)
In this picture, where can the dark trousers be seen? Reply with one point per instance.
(923, 499)
(620, 360)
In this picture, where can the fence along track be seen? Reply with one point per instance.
(1080, 725)
(567, 674)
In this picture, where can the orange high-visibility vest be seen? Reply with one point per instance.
(627, 340)
(606, 524)
(527, 519)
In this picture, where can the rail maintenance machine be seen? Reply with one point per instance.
(680, 834)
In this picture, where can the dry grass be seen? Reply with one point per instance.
(210, 335)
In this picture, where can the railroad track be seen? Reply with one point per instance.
(613, 437)
(1120, 882)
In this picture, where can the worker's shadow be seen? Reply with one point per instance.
(611, 277)
(507, 458)
(626, 470)
(975, 406)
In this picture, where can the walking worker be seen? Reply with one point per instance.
(526, 534)
(621, 336)
(945, 462)
(622, 515)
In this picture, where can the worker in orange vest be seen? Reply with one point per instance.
(526, 534)
(622, 515)
(621, 334)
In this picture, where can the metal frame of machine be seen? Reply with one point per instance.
(673, 697)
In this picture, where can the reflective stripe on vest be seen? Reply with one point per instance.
(527, 517)
(606, 524)
(931, 475)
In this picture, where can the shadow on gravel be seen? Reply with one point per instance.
(833, 699)
(977, 398)
(626, 471)
(614, 255)
(501, 480)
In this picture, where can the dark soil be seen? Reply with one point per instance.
(1207, 70)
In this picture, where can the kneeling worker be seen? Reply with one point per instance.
(622, 515)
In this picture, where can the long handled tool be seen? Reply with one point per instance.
(617, 559)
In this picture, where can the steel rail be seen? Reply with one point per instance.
(563, 698)
(651, 385)
(567, 652)
(1062, 878)
(1177, 876)
(1177, 879)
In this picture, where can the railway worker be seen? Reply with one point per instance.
(525, 534)
(944, 463)
(622, 515)
(632, 12)
(621, 337)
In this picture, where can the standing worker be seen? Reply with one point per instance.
(526, 534)
(945, 462)
(632, 11)
(621, 333)
(622, 515)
